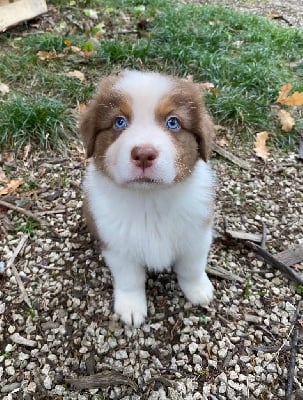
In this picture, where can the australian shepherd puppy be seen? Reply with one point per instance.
(148, 187)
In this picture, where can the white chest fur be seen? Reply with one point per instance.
(153, 226)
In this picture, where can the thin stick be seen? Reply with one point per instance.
(10, 264)
(271, 260)
(231, 157)
(293, 353)
(22, 211)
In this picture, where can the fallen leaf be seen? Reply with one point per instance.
(261, 149)
(82, 53)
(76, 74)
(222, 142)
(3, 88)
(49, 55)
(286, 120)
(11, 186)
(207, 85)
(296, 99)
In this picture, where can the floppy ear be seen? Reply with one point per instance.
(88, 128)
(94, 118)
(205, 134)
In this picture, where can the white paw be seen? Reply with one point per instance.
(131, 306)
(199, 291)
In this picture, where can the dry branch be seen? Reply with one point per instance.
(271, 260)
(10, 264)
(293, 353)
(22, 211)
(102, 379)
(231, 157)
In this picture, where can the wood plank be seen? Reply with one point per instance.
(18, 11)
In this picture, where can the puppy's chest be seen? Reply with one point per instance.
(152, 231)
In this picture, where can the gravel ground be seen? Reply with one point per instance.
(238, 348)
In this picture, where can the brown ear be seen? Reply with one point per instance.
(88, 129)
(93, 119)
(205, 134)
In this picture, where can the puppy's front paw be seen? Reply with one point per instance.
(199, 291)
(131, 306)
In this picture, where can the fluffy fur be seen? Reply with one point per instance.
(148, 187)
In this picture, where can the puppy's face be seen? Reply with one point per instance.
(144, 129)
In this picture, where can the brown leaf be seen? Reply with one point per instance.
(49, 55)
(296, 99)
(222, 142)
(11, 186)
(261, 149)
(76, 74)
(286, 120)
(207, 85)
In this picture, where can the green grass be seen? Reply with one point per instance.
(38, 120)
(246, 57)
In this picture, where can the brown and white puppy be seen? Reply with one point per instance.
(148, 187)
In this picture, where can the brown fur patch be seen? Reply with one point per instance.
(98, 119)
(194, 138)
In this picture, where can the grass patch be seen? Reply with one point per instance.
(35, 119)
(246, 57)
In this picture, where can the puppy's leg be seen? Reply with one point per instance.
(129, 288)
(190, 269)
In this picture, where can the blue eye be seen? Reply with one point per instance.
(120, 123)
(173, 123)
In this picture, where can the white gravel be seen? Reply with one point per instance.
(233, 350)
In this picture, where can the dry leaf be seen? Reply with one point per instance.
(207, 85)
(261, 149)
(49, 55)
(3, 88)
(76, 74)
(296, 99)
(83, 53)
(12, 186)
(222, 142)
(286, 120)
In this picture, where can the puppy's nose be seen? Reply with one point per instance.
(143, 156)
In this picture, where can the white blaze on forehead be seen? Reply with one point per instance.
(145, 90)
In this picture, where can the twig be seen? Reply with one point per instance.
(293, 353)
(102, 379)
(271, 260)
(10, 264)
(273, 349)
(231, 157)
(22, 211)
(264, 236)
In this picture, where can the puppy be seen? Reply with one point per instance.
(148, 187)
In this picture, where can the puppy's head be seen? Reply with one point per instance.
(145, 128)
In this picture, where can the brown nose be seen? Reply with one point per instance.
(143, 156)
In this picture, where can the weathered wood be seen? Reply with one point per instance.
(11, 13)
(271, 260)
(231, 157)
(241, 235)
(102, 379)
(291, 256)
